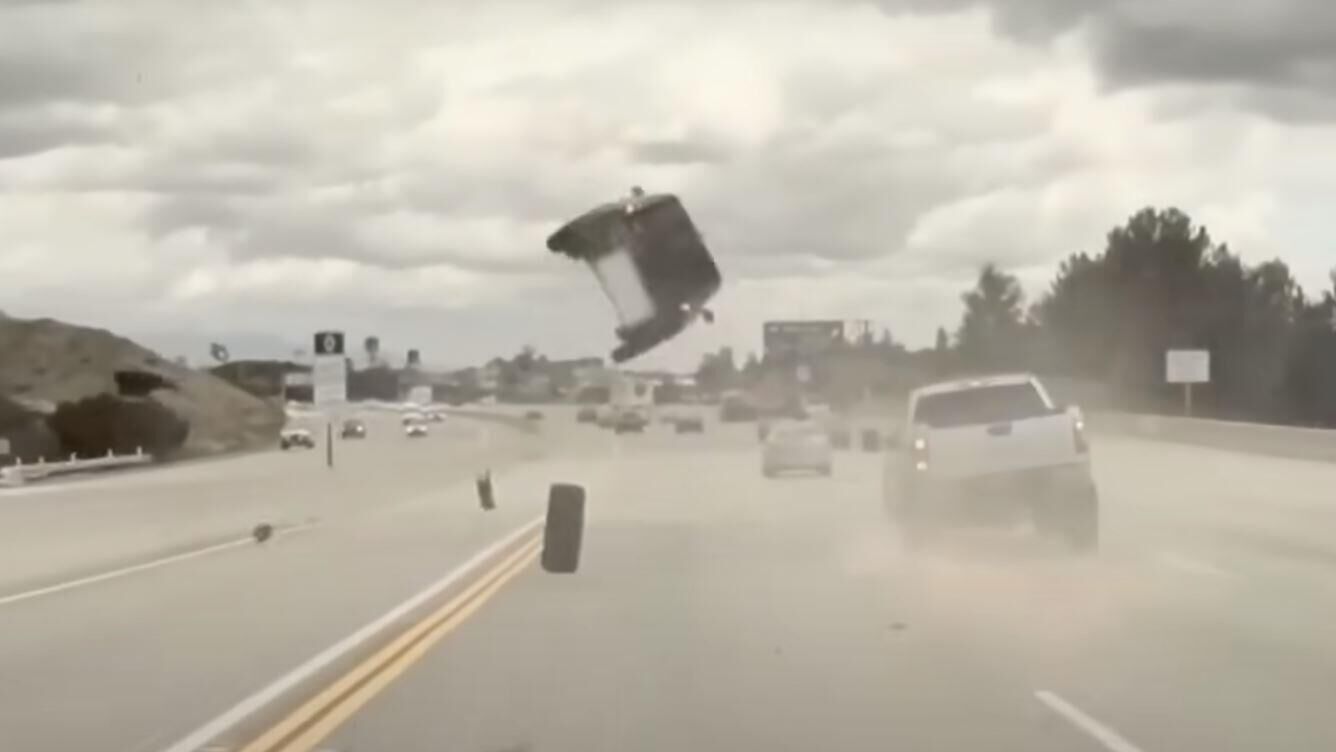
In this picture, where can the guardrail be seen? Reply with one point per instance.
(20, 473)
(1257, 438)
(495, 416)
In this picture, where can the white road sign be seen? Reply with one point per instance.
(1187, 366)
(331, 381)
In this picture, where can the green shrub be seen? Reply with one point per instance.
(92, 426)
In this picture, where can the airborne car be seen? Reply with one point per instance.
(651, 262)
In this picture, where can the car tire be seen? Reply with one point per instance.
(917, 528)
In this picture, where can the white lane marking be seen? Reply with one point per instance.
(1190, 565)
(322, 660)
(1112, 740)
(142, 567)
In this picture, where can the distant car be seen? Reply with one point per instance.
(606, 417)
(630, 420)
(689, 423)
(992, 450)
(416, 430)
(533, 415)
(436, 417)
(586, 415)
(871, 440)
(296, 437)
(797, 445)
(353, 429)
(736, 410)
(410, 418)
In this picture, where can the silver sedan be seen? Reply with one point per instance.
(800, 445)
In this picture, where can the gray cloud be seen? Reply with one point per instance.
(284, 156)
(678, 152)
(1253, 44)
(27, 132)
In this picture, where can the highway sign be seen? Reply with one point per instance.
(329, 343)
(1187, 366)
(330, 375)
(331, 381)
(801, 339)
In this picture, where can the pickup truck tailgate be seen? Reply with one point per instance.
(963, 451)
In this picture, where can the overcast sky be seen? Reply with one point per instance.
(251, 171)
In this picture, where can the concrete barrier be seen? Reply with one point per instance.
(1255, 438)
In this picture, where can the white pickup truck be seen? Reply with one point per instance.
(992, 450)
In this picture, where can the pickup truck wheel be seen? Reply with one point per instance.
(1079, 524)
(916, 529)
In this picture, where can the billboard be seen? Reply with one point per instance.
(801, 339)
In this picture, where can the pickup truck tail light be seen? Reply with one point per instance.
(920, 453)
(1079, 436)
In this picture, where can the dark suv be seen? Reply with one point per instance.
(353, 429)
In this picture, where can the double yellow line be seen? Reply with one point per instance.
(320, 716)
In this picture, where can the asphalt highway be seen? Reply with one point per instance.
(714, 609)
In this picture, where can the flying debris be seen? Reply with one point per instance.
(486, 497)
(651, 262)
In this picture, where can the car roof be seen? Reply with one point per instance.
(973, 382)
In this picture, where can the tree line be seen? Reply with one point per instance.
(1160, 282)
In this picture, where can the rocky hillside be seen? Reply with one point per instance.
(44, 363)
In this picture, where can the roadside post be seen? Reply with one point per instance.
(1187, 367)
(329, 383)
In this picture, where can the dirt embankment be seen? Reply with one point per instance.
(44, 363)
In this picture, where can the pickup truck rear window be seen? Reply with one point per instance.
(983, 405)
